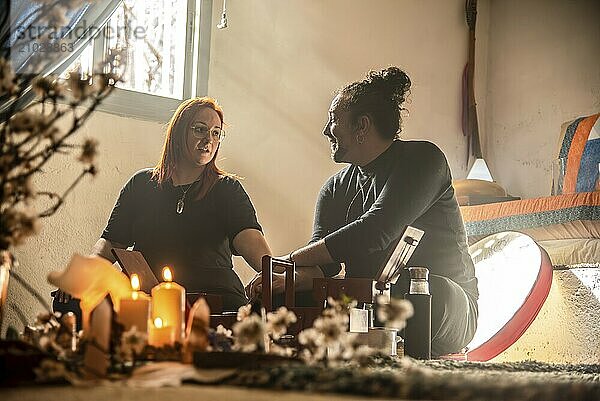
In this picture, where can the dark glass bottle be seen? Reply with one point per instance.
(417, 334)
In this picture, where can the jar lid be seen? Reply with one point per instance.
(419, 273)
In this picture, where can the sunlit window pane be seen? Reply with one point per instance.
(83, 63)
(154, 34)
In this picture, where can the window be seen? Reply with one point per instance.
(156, 55)
(83, 63)
(167, 44)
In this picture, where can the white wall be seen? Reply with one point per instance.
(277, 65)
(543, 70)
(125, 146)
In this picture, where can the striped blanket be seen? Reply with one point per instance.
(578, 161)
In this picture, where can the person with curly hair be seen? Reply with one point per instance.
(389, 183)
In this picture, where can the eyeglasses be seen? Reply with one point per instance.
(201, 131)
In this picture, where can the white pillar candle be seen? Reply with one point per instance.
(160, 335)
(135, 311)
(168, 304)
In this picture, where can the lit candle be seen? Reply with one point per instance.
(135, 311)
(160, 335)
(168, 303)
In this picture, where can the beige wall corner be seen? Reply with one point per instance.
(543, 70)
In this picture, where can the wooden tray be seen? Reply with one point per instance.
(239, 360)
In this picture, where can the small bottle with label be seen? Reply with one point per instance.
(417, 334)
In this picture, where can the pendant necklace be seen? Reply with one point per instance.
(181, 201)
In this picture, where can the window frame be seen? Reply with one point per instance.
(149, 107)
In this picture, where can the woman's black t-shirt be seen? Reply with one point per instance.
(198, 243)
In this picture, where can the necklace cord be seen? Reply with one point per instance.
(181, 201)
(364, 201)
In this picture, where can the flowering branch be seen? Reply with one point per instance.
(50, 211)
(19, 313)
(31, 137)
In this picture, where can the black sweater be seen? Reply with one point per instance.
(361, 211)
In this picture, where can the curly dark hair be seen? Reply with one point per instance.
(380, 95)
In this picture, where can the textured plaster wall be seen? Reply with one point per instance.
(543, 70)
(567, 329)
(125, 146)
(277, 65)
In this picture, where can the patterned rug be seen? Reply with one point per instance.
(434, 380)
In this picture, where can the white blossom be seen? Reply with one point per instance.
(394, 313)
(133, 342)
(338, 307)
(331, 327)
(329, 338)
(222, 331)
(279, 321)
(342, 350)
(243, 312)
(313, 345)
(279, 350)
(362, 354)
(248, 333)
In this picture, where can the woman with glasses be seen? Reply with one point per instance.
(187, 213)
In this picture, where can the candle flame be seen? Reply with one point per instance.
(135, 282)
(158, 323)
(167, 274)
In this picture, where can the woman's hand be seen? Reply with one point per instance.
(254, 287)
